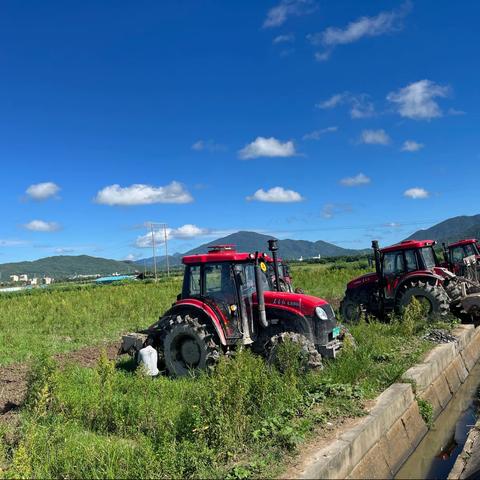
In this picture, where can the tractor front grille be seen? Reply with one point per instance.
(323, 328)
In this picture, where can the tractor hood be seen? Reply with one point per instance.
(364, 279)
(298, 301)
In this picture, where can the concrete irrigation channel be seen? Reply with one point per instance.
(393, 440)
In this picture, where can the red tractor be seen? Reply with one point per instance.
(403, 271)
(229, 300)
(461, 255)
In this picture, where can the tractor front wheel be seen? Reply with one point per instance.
(310, 358)
(433, 296)
(187, 346)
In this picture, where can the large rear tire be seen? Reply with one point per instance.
(434, 296)
(188, 346)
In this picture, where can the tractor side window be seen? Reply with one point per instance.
(411, 260)
(469, 249)
(457, 254)
(393, 263)
(429, 257)
(219, 282)
(194, 281)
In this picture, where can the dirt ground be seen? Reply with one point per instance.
(13, 378)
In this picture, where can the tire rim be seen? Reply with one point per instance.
(186, 351)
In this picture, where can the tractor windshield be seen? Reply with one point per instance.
(429, 257)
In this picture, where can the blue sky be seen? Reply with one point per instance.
(339, 121)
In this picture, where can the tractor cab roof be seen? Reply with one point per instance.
(223, 253)
(466, 241)
(409, 244)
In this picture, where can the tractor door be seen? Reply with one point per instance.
(221, 293)
(393, 270)
(247, 290)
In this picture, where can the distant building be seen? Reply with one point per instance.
(34, 281)
(23, 278)
(14, 278)
(47, 280)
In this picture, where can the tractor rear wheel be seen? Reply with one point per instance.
(310, 357)
(187, 346)
(350, 310)
(433, 296)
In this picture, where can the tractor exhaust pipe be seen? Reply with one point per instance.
(379, 270)
(376, 256)
(260, 296)
(273, 247)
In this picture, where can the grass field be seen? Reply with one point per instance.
(238, 422)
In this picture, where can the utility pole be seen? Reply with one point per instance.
(166, 248)
(165, 238)
(154, 251)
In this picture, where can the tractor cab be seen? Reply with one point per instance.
(460, 255)
(402, 271)
(406, 259)
(230, 299)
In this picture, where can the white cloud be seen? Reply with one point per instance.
(288, 38)
(411, 146)
(355, 181)
(139, 194)
(131, 257)
(322, 56)
(42, 191)
(208, 145)
(12, 243)
(279, 14)
(393, 225)
(360, 104)
(267, 147)
(42, 226)
(333, 101)
(455, 112)
(276, 195)
(64, 250)
(416, 193)
(330, 210)
(375, 137)
(416, 100)
(184, 232)
(383, 23)
(316, 134)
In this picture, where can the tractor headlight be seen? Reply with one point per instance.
(321, 313)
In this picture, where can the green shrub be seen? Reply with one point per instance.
(426, 411)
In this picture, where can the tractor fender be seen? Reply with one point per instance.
(298, 322)
(201, 310)
(415, 277)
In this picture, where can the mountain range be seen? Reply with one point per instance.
(252, 241)
(66, 265)
(63, 266)
(450, 230)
